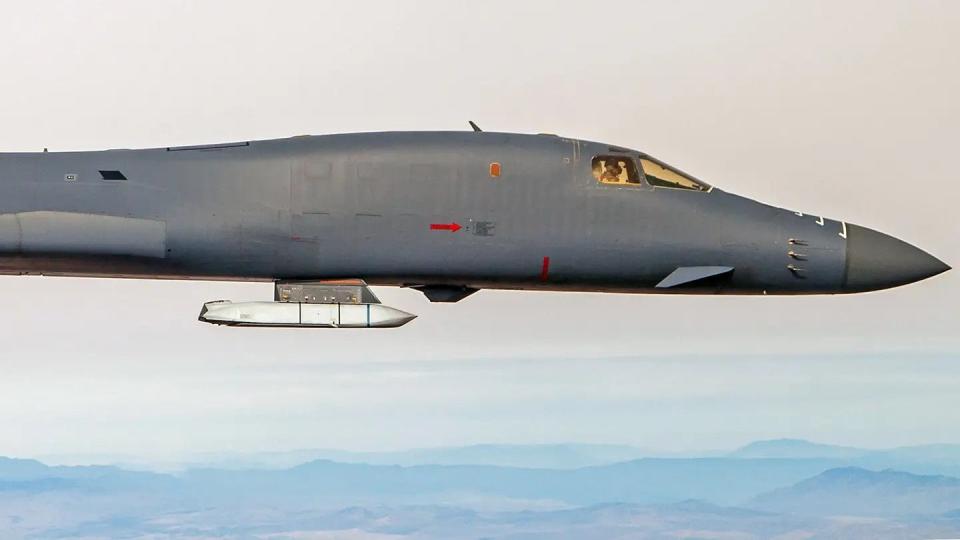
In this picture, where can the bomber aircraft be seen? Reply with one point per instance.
(446, 213)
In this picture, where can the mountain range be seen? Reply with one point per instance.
(860, 492)
(786, 487)
(926, 459)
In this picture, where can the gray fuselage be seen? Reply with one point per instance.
(419, 208)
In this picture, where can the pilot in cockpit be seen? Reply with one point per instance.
(612, 172)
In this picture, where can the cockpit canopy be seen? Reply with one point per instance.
(623, 170)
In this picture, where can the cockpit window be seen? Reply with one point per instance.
(615, 170)
(661, 175)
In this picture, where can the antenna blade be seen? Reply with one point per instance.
(474, 126)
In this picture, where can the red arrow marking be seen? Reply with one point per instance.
(452, 227)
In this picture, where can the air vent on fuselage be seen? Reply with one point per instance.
(112, 175)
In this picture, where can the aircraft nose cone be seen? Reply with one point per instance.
(879, 261)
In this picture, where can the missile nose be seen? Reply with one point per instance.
(404, 320)
(879, 261)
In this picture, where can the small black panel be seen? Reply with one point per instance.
(112, 175)
(445, 293)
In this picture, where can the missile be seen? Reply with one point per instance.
(303, 315)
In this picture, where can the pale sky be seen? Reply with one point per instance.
(848, 109)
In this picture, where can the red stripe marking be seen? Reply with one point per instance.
(545, 269)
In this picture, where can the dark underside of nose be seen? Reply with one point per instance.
(879, 261)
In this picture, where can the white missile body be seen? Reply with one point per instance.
(305, 315)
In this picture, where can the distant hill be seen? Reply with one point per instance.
(859, 492)
(932, 459)
(537, 475)
(28, 475)
(544, 456)
(718, 480)
(926, 459)
(796, 448)
(14, 470)
(540, 456)
(650, 497)
(650, 480)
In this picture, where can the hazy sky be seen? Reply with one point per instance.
(849, 109)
